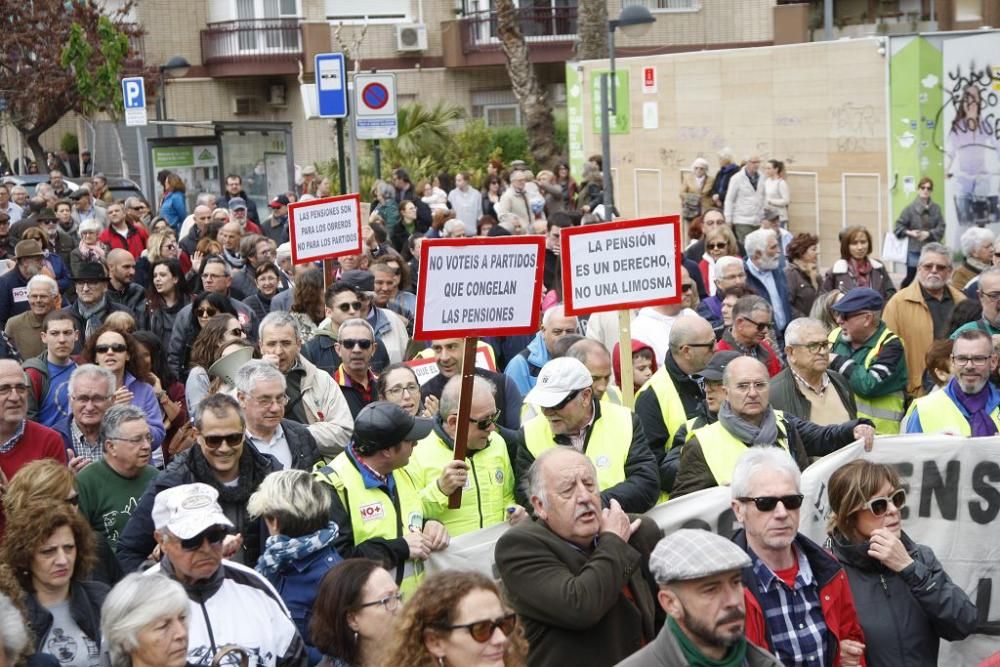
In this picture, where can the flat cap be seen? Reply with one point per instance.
(691, 553)
(717, 365)
(858, 299)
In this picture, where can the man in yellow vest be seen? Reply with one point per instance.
(486, 476)
(969, 404)
(746, 419)
(376, 503)
(673, 394)
(609, 435)
(870, 357)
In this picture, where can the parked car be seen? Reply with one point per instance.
(31, 181)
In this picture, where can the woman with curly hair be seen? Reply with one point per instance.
(802, 273)
(117, 351)
(49, 552)
(214, 337)
(308, 305)
(457, 619)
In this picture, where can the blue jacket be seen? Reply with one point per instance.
(913, 423)
(174, 209)
(524, 371)
(780, 282)
(144, 398)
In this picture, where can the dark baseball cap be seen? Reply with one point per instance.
(237, 203)
(279, 201)
(713, 371)
(858, 299)
(381, 425)
(359, 279)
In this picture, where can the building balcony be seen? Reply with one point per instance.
(472, 40)
(252, 47)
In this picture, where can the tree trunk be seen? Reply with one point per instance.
(592, 30)
(535, 106)
(32, 139)
(121, 149)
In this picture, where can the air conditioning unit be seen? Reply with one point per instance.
(411, 37)
(276, 95)
(243, 106)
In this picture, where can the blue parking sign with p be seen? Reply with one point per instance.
(134, 93)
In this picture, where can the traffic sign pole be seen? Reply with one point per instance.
(341, 160)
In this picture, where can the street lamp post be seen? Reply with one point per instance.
(174, 68)
(635, 21)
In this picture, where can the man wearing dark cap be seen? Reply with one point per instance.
(238, 208)
(377, 505)
(389, 327)
(276, 226)
(84, 209)
(234, 190)
(92, 305)
(871, 357)
(28, 256)
(701, 589)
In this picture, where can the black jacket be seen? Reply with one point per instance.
(904, 614)
(302, 444)
(136, 541)
(184, 333)
(647, 407)
(787, 397)
(160, 321)
(85, 600)
(132, 297)
(81, 323)
(505, 393)
(321, 352)
(222, 201)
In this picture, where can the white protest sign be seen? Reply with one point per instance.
(479, 287)
(325, 228)
(621, 265)
(426, 369)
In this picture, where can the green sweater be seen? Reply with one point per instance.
(107, 499)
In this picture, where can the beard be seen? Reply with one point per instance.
(709, 634)
(768, 263)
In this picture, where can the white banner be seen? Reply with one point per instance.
(953, 499)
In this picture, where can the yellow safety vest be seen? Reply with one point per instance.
(487, 494)
(938, 412)
(722, 449)
(612, 396)
(608, 446)
(884, 411)
(671, 406)
(373, 513)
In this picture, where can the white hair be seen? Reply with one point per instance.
(453, 225)
(699, 162)
(280, 318)
(255, 371)
(135, 602)
(91, 225)
(975, 237)
(766, 458)
(41, 279)
(795, 329)
(726, 153)
(558, 310)
(725, 262)
(756, 241)
(300, 503)
(936, 249)
(534, 484)
(92, 370)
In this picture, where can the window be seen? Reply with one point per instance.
(968, 10)
(364, 10)
(502, 115)
(267, 25)
(666, 5)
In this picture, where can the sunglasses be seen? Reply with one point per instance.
(348, 307)
(113, 347)
(238, 332)
(351, 343)
(486, 422)
(879, 506)
(768, 503)
(687, 287)
(481, 631)
(215, 441)
(566, 401)
(74, 500)
(206, 312)
(215, 536)
(717, 246)
(761, 326)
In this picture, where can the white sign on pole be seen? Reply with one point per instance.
(134, 101)
(325, 228)
(375, 106)
(479, 287)
(621, 265)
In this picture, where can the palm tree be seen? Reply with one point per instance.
(424, 135)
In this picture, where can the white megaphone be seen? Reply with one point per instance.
(228, 366)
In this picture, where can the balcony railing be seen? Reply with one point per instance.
(539, 25)
(251, 40)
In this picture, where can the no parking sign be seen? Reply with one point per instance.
(375, 97)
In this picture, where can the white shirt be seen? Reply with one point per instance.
(653, 328)
(468, 206)
(277, 446)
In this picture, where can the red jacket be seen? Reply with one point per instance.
(773, 363)
(834, 596)
(134, 242)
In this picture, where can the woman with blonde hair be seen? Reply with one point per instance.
(43, 481)
(457, 619)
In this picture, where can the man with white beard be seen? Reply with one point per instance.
(765, 277)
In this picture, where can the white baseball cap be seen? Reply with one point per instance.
(188, 510)
(558, 379)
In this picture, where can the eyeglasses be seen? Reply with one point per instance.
(927, 187)
(817, 347)
(215, 536)
(95, 399)
(48, 223)
(74, 500)
(267, 401)
(940, 268)
(768, 503)
(745, 387)
(566, 401)
(117, 348)
(351, 343)
(137, 440)
(412, 389)
(348, 307)
(390, 602)
(717, 246)
(237, 331)
(761, 326)
(879, 506)
(6, 389)
(992, 296)
(965, 359)
(485, 422)
(206, 312)
(215, 441)
(481, 631)
(709, 345)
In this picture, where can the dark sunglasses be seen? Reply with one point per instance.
(74, 500)
(768, 503)
(215, 536)
(717, 246)
(761, 326)
(486, 422)
(237, 331)
(481, 631)
(206, 312)
(879, 506)
(231, 439)
(113, 347)
(351, 343)
(347, 307)
(687, 287)
(566, 401)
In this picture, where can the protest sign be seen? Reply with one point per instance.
(479, 287)
(426, 369)
(620, 265)
(325, 228)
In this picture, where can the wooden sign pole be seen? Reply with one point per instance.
(464, 408)
(625, 354)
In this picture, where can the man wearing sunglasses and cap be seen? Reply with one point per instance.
(376, 503)
(799, 604)
(228, 603)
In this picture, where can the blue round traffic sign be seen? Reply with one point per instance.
(375, 95)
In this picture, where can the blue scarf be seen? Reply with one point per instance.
(975, 404)
(281, 550)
